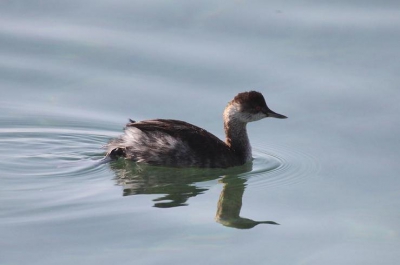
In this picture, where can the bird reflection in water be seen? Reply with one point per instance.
(177, 185)
(230, 204)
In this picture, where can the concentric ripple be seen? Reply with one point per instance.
(48, 152)
(48, 164)
(280, 166)
(50, 171)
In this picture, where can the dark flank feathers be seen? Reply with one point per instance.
(203, 148)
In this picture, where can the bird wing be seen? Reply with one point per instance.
(199, 140)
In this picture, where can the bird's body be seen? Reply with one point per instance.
(180, 144)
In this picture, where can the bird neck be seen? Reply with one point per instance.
(236, 135)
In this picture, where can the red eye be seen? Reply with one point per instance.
(258, 108)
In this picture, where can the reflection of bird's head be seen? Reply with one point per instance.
(242, 223)
(230, 205)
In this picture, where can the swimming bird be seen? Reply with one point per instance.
(174, 143)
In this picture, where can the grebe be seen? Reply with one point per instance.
(176, 143)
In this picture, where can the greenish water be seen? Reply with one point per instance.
(72, 73)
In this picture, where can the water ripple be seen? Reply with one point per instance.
(275, 165)
(52, 173)
(51, 152)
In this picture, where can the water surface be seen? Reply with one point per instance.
(323, 186)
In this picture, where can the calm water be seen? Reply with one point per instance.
(73, 72)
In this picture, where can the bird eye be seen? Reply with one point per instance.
(258, 108)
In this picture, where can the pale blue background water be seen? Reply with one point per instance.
(72, 72)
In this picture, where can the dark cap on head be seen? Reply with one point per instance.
(254, 101)
(251, 96)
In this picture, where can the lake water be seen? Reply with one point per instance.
(73, 72)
